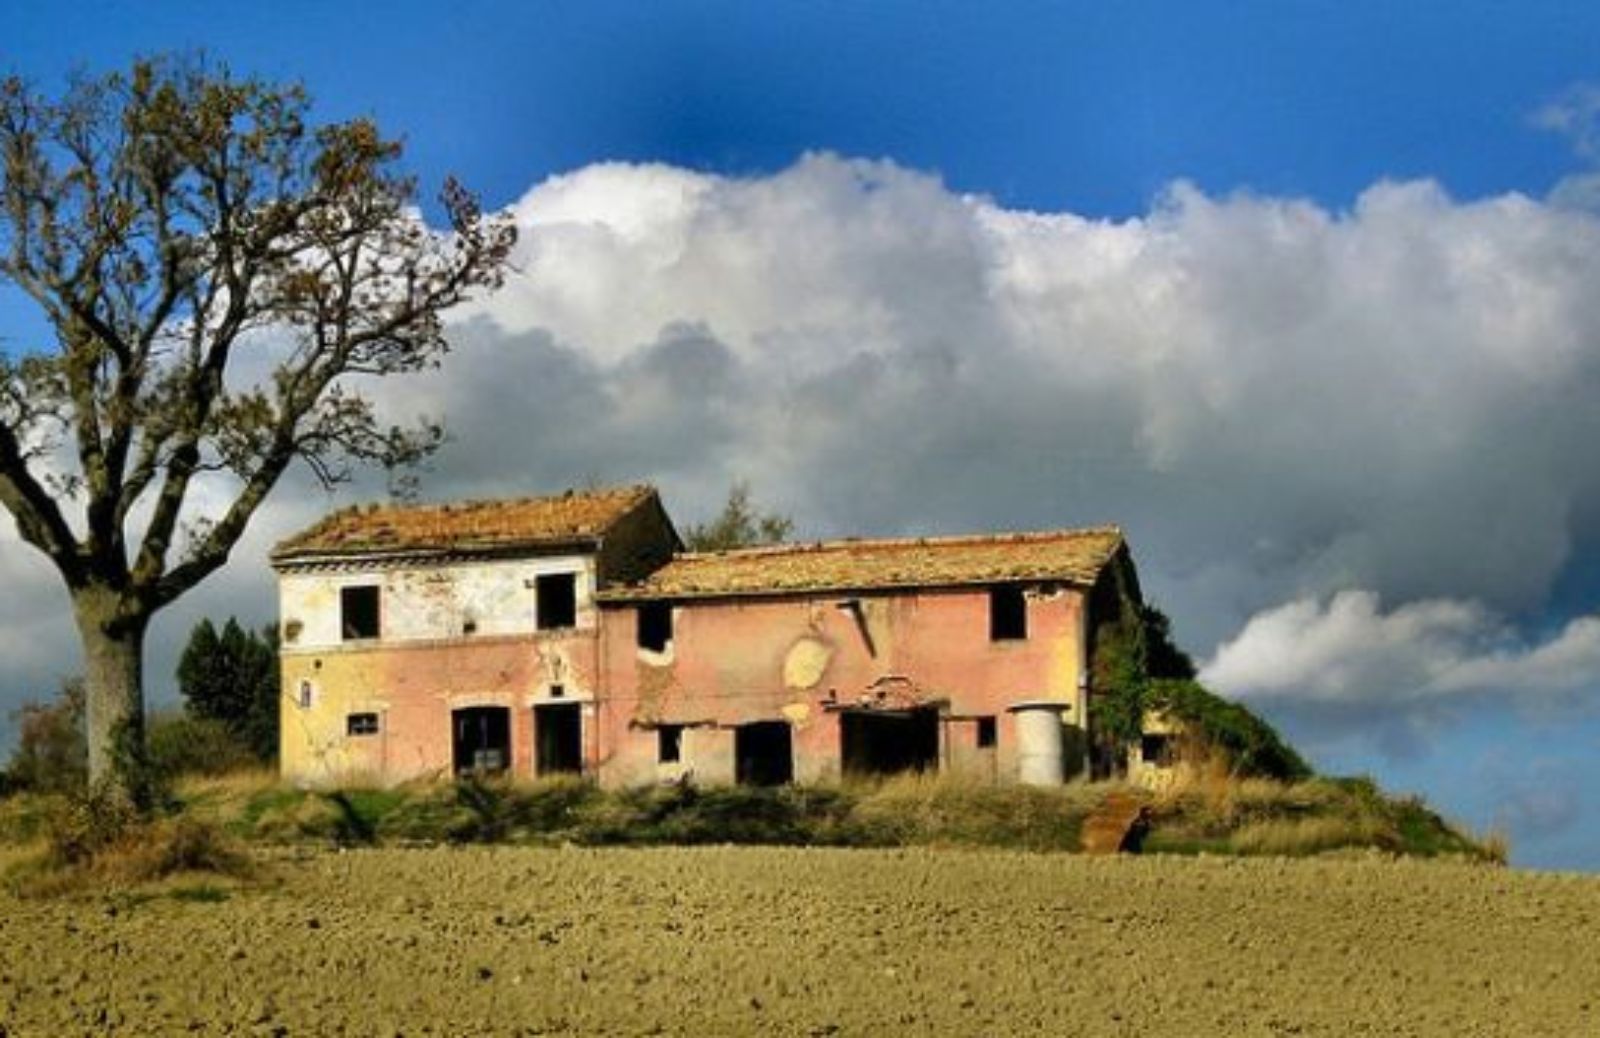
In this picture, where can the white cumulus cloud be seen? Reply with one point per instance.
(1277, 399)
(1348, 650)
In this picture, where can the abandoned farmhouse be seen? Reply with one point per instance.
(573, 634)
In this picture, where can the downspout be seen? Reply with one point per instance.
(1081, 706)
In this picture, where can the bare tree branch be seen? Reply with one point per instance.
(169, 221)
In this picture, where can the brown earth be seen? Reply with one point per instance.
(816, 942)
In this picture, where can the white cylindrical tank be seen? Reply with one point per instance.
(1041, 743)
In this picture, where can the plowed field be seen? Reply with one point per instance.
(815, 942)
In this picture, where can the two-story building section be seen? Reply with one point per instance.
(572, 634)
(812, 661)
(431, 640)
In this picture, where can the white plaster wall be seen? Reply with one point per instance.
(430, 602)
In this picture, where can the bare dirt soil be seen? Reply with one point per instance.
(712, 941)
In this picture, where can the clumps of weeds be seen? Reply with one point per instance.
(1207, 810)
(681, 813)
(477, 809)
(953, 810)
(25, 815)
(501, 812)
(1298, 837)
(98, 841)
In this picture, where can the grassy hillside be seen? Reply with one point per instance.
(1212, 814)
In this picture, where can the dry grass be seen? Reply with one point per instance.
(164, 853)
(241, 783)
(1297, 837)
(1208, 809)
(89, 845)
(943, 809)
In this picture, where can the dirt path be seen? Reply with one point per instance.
(779, 942)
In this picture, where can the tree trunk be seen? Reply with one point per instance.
(113, 661)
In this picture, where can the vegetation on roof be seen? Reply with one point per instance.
(1250, 745)
(576, 514)
(1074, 556)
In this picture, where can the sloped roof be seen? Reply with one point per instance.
(1072, 556)
(575, 517)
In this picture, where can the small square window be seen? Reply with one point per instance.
(557, 601)
(1008, 614)
(361, 724)
(1156, 749)
(358, 612)
(655, 626)
(988, 733)
(669, 743)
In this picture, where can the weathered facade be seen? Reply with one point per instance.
(571, 634)
(430, 640)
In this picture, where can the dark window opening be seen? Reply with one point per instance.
(358, 611)
(669, 743)
(558, 739)
(482, 739)
(988, 733)
(763, 754)
(1008, 614)
(469, 626)
(558, 691)
(558, 601)
(361, 724)
(655, 626)
(888, 742)
(1157, 749)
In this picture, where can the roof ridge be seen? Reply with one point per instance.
(482, 516)
(464, 504)
(935, 540)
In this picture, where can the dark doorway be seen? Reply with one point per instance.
(883, 742)
(482, 739)
(557, 739)
(763, 754)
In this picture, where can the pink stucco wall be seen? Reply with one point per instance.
(799, 659)
(794, 659)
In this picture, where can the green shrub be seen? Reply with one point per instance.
(1260, 816)
(951, 810)
(86, 827)
(177, 845)
(52, 752)
(1252, 746)
(179, 744)
(231, 677)
(94, 841)
(24, 816)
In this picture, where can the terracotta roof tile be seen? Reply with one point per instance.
(1074, 556)
(575, 516)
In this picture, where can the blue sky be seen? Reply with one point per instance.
(1042, 105)
(1287, 120)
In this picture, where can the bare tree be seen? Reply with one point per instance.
(177, 224)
